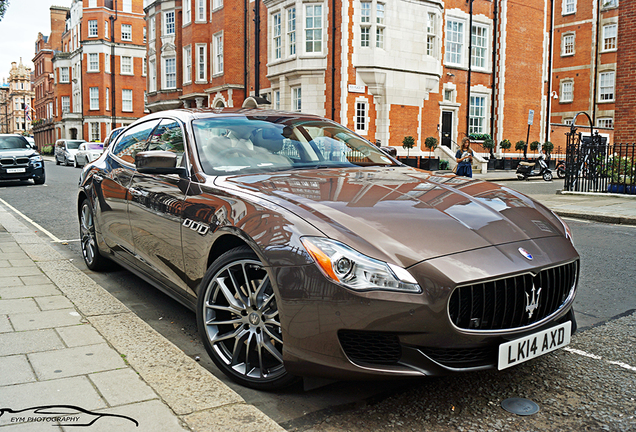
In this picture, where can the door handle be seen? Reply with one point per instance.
(98, 177)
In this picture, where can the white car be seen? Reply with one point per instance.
(87, 153)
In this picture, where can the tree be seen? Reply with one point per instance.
(505, 145)
(548, 146)
(4, 5)
(489, 145)
(534, 145)
(520, 145)
(431, 144)
(408, 143)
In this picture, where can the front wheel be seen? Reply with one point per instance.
(39, 180)
(521, 176)
(547, 176)
(93, 259)
(238, 320)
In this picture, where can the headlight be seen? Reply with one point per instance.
(568, 231)
(350, 268)
(36, 158)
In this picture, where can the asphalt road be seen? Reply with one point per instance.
(605, 291)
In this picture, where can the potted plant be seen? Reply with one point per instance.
(505, 145)
(489, 145)
(548, 147)
(534, 146)
(431, 163)
(408, 143)
(622, 174)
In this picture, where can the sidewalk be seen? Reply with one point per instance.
(65, 341)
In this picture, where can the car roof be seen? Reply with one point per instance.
(186, 114)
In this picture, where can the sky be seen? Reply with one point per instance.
(19, 29)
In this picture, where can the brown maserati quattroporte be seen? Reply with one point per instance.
(307, 251)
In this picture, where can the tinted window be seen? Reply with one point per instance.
(74, 145)
(13, 142)
(133, 140)
(168, 136)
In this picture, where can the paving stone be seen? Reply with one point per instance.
(18, 306)
(25, 342)
(18, 255)
(35, 280)
(21, 263)
(20, 371)
(5, 263)
(53, 302)
(24, 291)
(46, 319)
(79, 335)
(21, 271)
(10, 281)
(5, 324)
(75, 361)
(77, 391)
(42, 252)
(29, 427)
(109, 385)
(152, 416)
(232, 418)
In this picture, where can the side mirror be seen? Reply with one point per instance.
(159, 162)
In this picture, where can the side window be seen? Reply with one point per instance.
(133, 141)
(168, 136)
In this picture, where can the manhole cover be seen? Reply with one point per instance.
(520, 406)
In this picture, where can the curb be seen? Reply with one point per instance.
(199, 400)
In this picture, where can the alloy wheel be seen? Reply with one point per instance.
(87, 234)
(240, 323)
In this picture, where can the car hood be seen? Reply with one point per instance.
(401, 214)
(17, 153)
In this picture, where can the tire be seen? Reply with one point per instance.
(57, 161)
(547, 176)
(39, 180)
(521, 177)
(88, 240)
(239, 322)
(75, 164)
(560, 173)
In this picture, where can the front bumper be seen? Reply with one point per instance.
(333, 332)
(25, 171)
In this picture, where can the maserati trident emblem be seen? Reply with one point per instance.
(532, 305)
(525, 253)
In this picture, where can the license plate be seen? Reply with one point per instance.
(15, 170)
(526, 348)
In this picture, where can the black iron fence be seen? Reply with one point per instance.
(593, 165)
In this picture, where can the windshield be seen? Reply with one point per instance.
(73, 145)
(13, 143)
(273, 143)
(95, 146)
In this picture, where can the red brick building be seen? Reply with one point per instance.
(585, 51)
(100, 72)
(624, 124)
(386, 69)
(45, 47)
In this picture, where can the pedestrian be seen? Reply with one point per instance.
(464, 158)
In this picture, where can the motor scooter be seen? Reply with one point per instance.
(526, 170)
(560, 169)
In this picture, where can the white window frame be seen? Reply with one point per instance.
(379, 37)
(483, 49)
(277, 30)
(187, 64)
(431, 34)
(365, 36)
(107, 99)
(606, 80)
(125, 100)
(276, 100)
(200, 16)
(455, 39)
(169, 24)
(93, 62)
(145, 35)
(291, 31)
(297, 99)
(605, 122)
(217, 52)
(93, 96)
(187, 14)
(217, 4)
(568, 7)
(144, 67)
(126, 32)
(126, 66)
(365, 24)
(152, 79)
(202, 63)
(126, 5)
(94, 131)
(66, 104)
(478, 114)
(607, 37)
(361, 116)
(92, 29)
(107, 63)
(153, 33)
(63, 78)
(106, 26)
(565, 45)
(315, 44)
(167, 85)
(566, 91)
(609, 4)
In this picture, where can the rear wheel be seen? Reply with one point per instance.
(93, 259)
(237, 316)
(561, 172)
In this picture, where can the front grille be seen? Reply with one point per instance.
(463, 357)
(22, 161)
(370, 347)
(12, 161)
(7, 161)
(511, 303)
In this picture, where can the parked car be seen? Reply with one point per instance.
(112, 135)
(19, 161)
(307, 251)
(88, 152)
(31, 142)
(65, 150)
